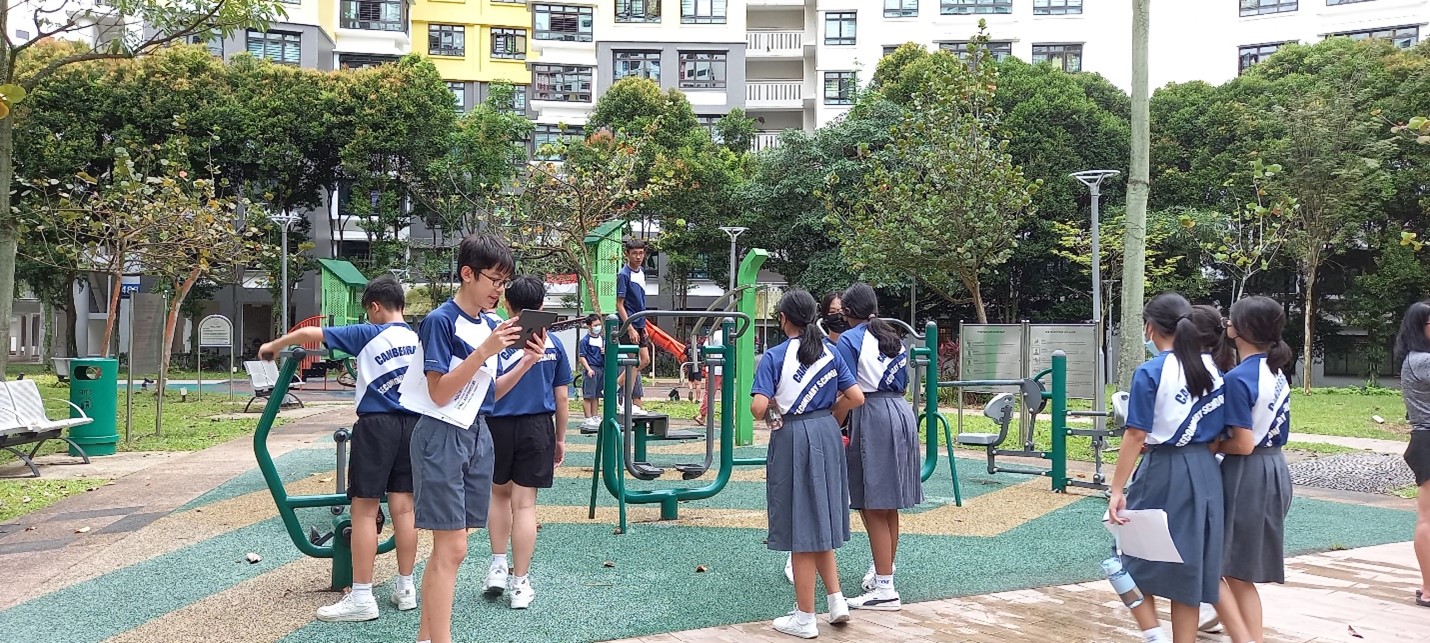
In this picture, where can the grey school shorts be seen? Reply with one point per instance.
(451, 474)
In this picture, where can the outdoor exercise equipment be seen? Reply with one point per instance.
(335, 544)
(616, 451)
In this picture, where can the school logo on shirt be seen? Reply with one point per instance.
(1184, 396)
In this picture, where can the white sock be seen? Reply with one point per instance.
(362, 591)
(518, 580)
(884, 582)
(803, 618)
(499, 559)
(404, 582)
(834, 598)
(1155, 635)
(426, 641)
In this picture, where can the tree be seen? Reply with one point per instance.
(1134, 242)
(940, 201)
(138, 27)
(1171, 254)
(1376, 299)
(736, 130)
(1246, 241)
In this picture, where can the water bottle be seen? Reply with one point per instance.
(773, 420)
(1122, 582)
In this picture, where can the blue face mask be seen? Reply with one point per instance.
(1152, 348)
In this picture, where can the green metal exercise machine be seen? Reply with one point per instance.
(335, 544)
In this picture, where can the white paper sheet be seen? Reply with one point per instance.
(1145, 536)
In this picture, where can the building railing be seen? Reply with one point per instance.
(774, 91)
(765, 141)
(774, 42)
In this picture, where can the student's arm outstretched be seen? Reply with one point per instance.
(309, 335)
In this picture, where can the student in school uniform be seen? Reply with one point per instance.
(1255, 478)
(630, 299)
(1211, 328)
(1412, 351)
(884, 463)
(528, 427)
(1175, 412)
(591, 355)
(807, 487)
(452, 458)
(380, 461)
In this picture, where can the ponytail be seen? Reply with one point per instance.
(860, 302)
(811, 345)
(1259, 321)
(889, 342)
(800, 310)
(1187, 346)
(1279, 357)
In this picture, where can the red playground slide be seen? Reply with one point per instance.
(665, 342)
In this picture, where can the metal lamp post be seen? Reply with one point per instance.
(733, 231)
(1093, 180)
(285, 220)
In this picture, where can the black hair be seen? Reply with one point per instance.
(1212, 332)
(484, 251)
(1171, 313)
(834, 322)
(593, 317)
(633, 243)
(1259, 321)
(1411, 338)
(860, 302)
(384, 291)
(800, 310)
(827, 303)
(525, 292)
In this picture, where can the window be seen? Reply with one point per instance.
(1249, 55)
(956, 7)
(549, 137)
(509, 43)
(22, 35)
(711, 125)
(839, 27)
(363, 61)
(562, 83)
(446, 40)
(563, 22)
(1000, 49)
(637, 10)
(645, 64)
(1057, 7)
(277, 46)
(702, 70)
(375, 15)
(1263, 7)
(518, 98)
(1067, 57)
(839, 88)
(707, 12)
(1402, 37)
(901, 8)
(889, 49)
(459, 94)
(214, 44)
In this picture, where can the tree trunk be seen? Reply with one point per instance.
(1313, 260)
(71, 324)
(1134, 240)
(116, 284)
(9, 238)
(976, 290)
(48, 348)
(171, 322)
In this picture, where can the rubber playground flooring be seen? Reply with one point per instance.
(184, 577)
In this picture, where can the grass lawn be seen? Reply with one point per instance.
(1345, 413)
(1319, 448)
(1409, 492)
(19, 497)
(38, 370)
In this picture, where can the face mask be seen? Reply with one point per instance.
(835, 323)
(1152, 348)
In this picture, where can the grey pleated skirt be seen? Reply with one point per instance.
(1257, 488)
(806, 485)
(1186, 483)
(884, 464)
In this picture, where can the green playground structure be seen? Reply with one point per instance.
(337, 543)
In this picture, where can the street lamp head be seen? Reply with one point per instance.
(1092, 178)
(733, 231)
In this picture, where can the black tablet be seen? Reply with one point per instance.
(532, 322)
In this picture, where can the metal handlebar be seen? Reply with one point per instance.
(740, 328)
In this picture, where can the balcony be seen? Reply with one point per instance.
(765, 141)
(774, 44)
(756, 4)
(374, 15)
(774, 94)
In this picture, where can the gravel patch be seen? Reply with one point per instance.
(1363, 472)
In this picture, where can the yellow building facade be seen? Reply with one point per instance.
(474, 43)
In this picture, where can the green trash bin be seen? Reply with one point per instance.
(94, 387)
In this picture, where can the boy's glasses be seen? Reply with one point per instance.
(496, 283)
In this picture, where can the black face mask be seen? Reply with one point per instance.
(835, 323)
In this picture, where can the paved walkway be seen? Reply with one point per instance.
(1367, 444)
(1356, 596)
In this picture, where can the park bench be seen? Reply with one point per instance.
(23, 422)
(263, 375)
(62, 368)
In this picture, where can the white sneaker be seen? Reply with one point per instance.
(789, 568)
(496, 580)
(592, 422)
(1208, 620)
(521, 595)
(839, 611)
(790, 625)
(637, 410)
(868, 583)
(404, 599)
(882, 600)
(349, 610)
